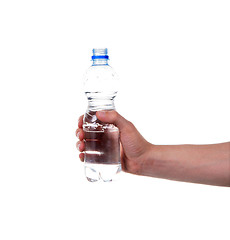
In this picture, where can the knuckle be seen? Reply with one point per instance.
(115, 116)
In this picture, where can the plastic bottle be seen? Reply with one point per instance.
(102, 143)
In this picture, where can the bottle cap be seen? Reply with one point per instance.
(100, 53)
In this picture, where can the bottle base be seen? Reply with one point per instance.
(101, 172)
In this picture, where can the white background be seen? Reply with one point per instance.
(173, 60)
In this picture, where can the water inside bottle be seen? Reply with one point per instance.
(102, 149)
(101, 172)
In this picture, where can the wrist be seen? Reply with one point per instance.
(149, 160)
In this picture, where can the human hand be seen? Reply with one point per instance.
(206, 164)
(134, 148)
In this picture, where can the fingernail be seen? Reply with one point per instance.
(78, 134)
(78, 146)
(102, 113)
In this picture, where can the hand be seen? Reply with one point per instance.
(207, 164)
(134, 148)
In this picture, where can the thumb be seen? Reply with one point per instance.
(113, 117)
(134, 145)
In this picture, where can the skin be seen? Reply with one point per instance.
(205, 164)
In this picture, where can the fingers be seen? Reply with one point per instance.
(113, 117)
(80, 121)
(80, 146)
(81, 156)
(80, 134)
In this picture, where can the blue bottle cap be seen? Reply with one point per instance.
(100, 53)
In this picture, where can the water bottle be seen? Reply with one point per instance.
(102, 143)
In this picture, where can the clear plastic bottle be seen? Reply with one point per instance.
(102, 143)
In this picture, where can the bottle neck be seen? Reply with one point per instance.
(100, 101)
(101, 61)
(100, 104)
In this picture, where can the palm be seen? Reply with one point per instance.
(133, 147)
